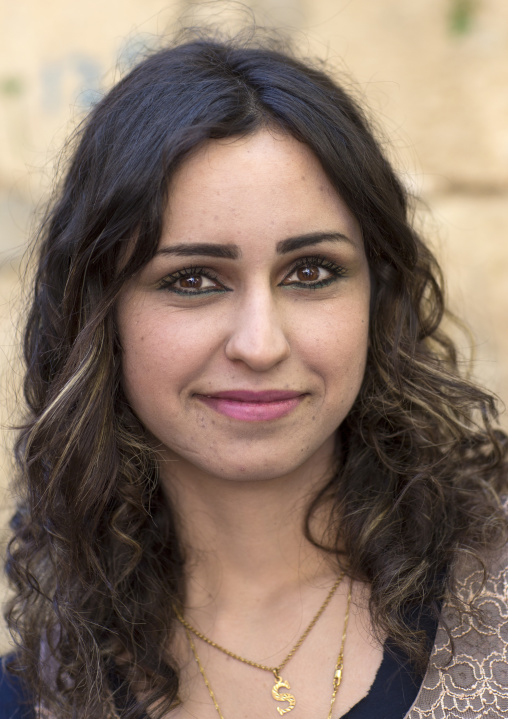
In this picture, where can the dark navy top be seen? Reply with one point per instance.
(390, 697)
(14, 703)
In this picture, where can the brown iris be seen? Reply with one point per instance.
(192, 282)
(308, 273)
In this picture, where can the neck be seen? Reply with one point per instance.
(244, 541)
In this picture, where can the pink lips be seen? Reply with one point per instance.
(253, 406)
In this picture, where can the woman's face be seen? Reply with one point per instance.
(245, 338)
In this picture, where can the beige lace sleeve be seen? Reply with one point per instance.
(474, 683)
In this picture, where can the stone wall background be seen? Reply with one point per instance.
(434, 73)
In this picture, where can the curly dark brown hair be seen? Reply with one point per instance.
(95, 559)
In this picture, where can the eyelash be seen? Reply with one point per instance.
(168, 282)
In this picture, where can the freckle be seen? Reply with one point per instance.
(314, 418)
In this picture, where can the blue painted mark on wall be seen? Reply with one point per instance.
(85, 73)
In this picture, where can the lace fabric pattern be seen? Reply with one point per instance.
(470, 682)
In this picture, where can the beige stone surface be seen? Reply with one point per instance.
(470, 239)
(434, 72)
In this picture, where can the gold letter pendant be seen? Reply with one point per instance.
(279, 683)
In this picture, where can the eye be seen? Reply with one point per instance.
(313, 272)
(191, 281)
(309, 273)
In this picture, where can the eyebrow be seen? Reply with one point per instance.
(312, 238)
(233, 252)
(206, 249)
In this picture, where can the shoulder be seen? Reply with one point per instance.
(468, 676)
(14, 703)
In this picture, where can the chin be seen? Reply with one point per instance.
(258, 466)
(248, 473)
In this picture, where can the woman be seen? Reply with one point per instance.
(252, 479)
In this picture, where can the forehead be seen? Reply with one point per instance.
(265, 184)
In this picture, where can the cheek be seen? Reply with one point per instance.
(336, 345)
(158, 354)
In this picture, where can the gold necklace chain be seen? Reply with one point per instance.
(274, 670)
(337, 675)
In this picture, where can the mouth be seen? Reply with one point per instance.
(250, 406)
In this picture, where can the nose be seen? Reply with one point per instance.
(257, 337)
